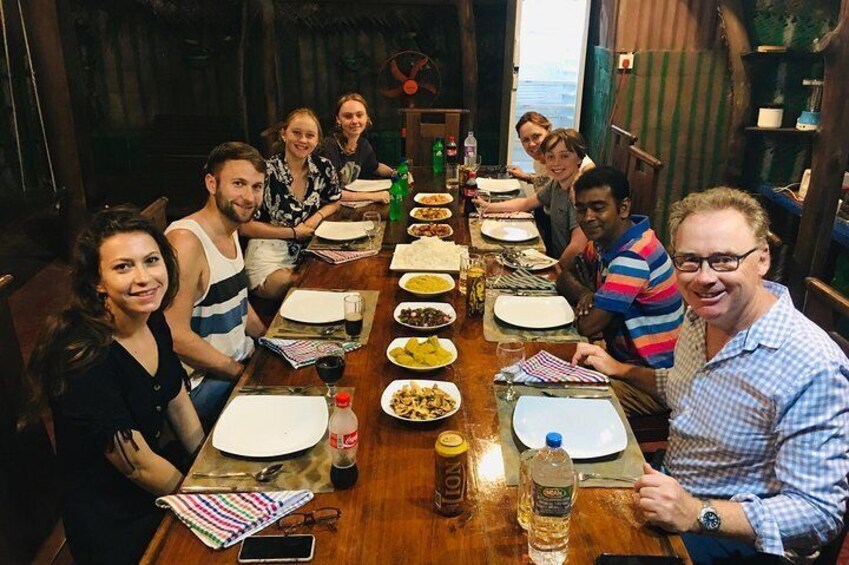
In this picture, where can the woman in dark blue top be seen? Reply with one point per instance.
(107, 367)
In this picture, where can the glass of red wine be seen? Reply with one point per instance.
(353, 315)
(330, 365)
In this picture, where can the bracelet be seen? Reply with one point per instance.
(294, 234)
(320, 214)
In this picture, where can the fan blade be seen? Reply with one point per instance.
(392, 92)
(417, 67)
(427, 86)
(396, 72)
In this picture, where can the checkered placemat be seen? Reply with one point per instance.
(547, 368)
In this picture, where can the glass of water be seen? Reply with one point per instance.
(372, 226)
(510, 356)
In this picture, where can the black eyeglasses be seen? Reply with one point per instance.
(326, 517)
(721, 263)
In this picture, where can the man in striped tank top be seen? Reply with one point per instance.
(211, 320)
(623, 285)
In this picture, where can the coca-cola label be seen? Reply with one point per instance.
(344, 441)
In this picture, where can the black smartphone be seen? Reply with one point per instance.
(277, 549)
(612, 559)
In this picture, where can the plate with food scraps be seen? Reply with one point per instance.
(509, 230)
(420, 400)
(426, 284)
(433, 198)
(425, 315)
(528, 259)
(420, 353)
(430, 230)
(430, 214)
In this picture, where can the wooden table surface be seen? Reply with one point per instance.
(388, 516)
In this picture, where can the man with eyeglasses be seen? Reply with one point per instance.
(758, 449)
(623, 284)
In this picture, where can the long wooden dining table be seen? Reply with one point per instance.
(388, 516)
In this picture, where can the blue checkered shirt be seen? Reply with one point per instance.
(764, 423)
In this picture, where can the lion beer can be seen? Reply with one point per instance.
(451, 468)
(475, 290)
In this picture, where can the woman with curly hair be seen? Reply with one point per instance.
(108, 370)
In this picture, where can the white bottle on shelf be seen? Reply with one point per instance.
(470, 150)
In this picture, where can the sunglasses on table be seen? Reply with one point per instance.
(324, 517)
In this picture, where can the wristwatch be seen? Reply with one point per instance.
(709, 519)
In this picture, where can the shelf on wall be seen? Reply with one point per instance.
(840, 232)
(781, 131)
(789, 55)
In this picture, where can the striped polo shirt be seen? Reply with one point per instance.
(636, 282)
(220, 315)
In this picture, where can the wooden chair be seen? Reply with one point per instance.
(620, 156)
(155, 213)
(30, 528)
(643, 175)
(418, 134)
(781, 259)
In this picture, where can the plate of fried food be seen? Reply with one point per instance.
(420, 400)
(430, 214)
(430, 230)
(425, 315)
(421, 354)
(433, 198)
(426, 284)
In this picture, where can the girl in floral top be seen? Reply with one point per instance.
(301, 190)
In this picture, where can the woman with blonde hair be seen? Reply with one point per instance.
(301, 191)
(350, 152)
(564, 151)
(532, 128)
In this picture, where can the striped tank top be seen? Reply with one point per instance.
(220, 315)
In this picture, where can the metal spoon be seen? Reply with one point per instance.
(263, 475)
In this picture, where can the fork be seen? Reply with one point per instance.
(601, 477)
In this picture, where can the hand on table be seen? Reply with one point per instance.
(665, 503)
(516, 171)
(598, 359)
(585, 304)
(303, 231)
(381, 197)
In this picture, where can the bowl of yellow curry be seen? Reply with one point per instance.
(421, 354)
(426, 284)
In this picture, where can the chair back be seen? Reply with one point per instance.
(420, 126)
(643, 174)
(620, 156)
(30, 530)
(824, 305)
(781, 260)
(155, 213)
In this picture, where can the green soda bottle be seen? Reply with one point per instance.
(438, 157)
(396, 200)
(404, 176)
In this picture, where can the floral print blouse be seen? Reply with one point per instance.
(281, 208)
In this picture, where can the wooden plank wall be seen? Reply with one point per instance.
(677, 100)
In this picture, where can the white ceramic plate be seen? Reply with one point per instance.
(590, 427)
(412, 227)
(417, 211)
(314, 306)
(270, 425)
(444, 198)
(442, 306)
(531, 260)
(449, 388)
(361, 185)
(506, 230)
(424, 263)
(406, 278)
(402, 341)
(342, 231)
(496, 186)
(534, 312)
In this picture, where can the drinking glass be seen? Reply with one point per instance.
(372, 226)
(330, 365)
(466, 262)
(482, 203)
(510, 356)
(523, 512)
(353, 315)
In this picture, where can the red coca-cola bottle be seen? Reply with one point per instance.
(470, 192)
(343, 443)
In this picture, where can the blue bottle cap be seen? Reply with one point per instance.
(553, 439)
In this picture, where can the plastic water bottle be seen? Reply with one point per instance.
(396, 200)
(553, 481)
(438, 156)
(470, 150)
(404, 176)
(343, 443)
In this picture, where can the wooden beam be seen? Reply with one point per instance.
(50, 26)
(510, 32)
(830, 154)
(737, 40)
(241, 97)
(469, 48)
(271, 91)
